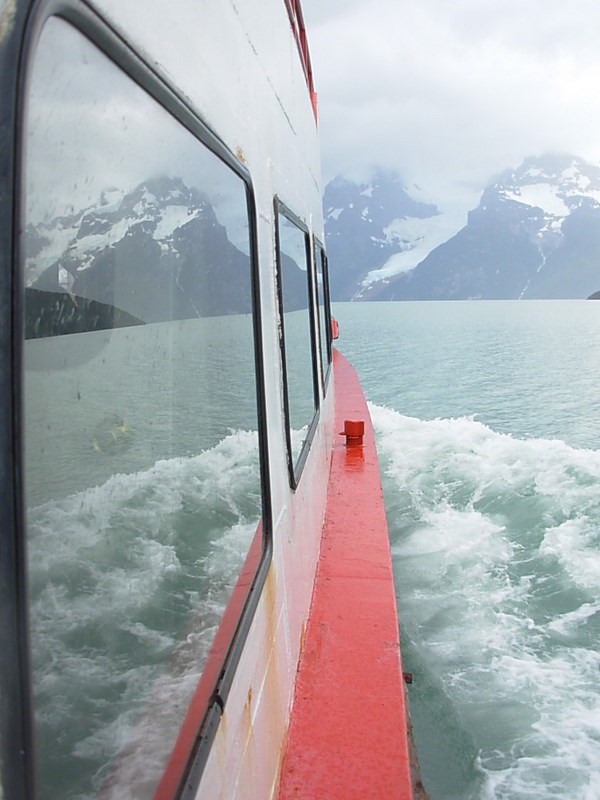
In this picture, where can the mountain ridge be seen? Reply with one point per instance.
(534, 234)
(359, 220)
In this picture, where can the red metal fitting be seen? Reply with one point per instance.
(354, 430)
(335, 329)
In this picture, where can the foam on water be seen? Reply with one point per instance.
(496, 549)
(128, 581)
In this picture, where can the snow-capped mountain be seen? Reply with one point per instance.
(535, 234)
(160, 205)
(155, 253)
(368, 224)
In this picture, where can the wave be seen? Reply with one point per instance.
(496, 549)
(117, 573)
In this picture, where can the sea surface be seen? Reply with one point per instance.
(143, 494)
(488, 424)
(487, 416)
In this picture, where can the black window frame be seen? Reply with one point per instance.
(319, 251)
(295, 469)
(17, 51)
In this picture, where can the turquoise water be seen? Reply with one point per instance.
(143, 495)
(487, 416)
(488, 425)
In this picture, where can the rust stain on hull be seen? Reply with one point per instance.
(302, 638)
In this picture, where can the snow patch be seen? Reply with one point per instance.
(173, 217)
(147, 199)
(49, 255)
(573, 175)
(110, 200)
(417, 238)
(539, 195)
(98, 241)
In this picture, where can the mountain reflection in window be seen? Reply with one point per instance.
(155, 230)
(157, 252)
(142, 459)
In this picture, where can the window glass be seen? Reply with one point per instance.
(295, 293)
(324, 316)
(142, 464)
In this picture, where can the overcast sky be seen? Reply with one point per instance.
(452, 92)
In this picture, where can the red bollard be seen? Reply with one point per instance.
(354, 430)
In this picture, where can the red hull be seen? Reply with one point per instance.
(348, 733)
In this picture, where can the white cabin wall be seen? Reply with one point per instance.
(238, 64)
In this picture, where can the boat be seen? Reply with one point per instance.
(197, 598)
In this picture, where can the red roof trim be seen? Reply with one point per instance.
(294, 10)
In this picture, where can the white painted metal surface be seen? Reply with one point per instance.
(238, 64)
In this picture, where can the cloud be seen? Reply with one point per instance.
(450, 94)
(90, 128)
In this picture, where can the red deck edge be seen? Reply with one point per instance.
(348, 730)
(189, 730)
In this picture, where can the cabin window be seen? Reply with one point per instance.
(324, 314)
(297, 335)
(142, 458)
